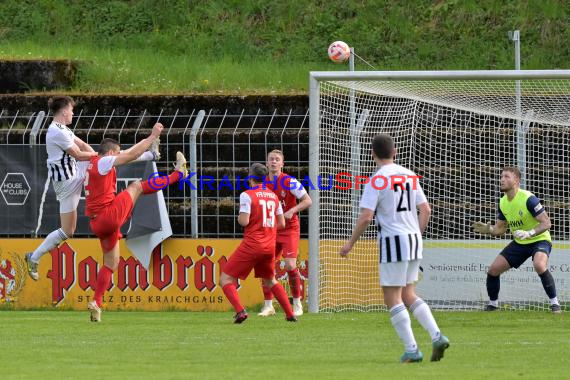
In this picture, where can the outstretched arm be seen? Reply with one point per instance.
(139, 148)
(498, 229)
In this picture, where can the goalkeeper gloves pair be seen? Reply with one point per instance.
(487, 229)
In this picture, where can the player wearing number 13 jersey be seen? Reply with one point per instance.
(261, 215)
(395, 195)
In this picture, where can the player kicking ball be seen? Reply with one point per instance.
(108, 211)
(261, 214)
(400, 242)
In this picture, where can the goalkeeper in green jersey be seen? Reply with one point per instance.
(522, 212)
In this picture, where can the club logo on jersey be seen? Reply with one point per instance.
(520, 213)
(12, 277)
(283, 194)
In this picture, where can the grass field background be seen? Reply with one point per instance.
(258, 46)
(178, 345)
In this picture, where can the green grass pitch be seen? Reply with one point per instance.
(196, 345)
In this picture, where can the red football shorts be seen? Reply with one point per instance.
(107, 223)
(244, 259)
(287, 246)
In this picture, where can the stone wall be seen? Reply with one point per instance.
(17, 76)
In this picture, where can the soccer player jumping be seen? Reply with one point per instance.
(108, 211)
(529, 223)
(400, 243)
(63, 149)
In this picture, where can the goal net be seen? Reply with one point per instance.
(456, 130)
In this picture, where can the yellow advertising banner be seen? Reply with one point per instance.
(183, 275)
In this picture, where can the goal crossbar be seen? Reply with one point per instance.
(440, 75)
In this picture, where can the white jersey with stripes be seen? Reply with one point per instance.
(394, 193)
(61, 166)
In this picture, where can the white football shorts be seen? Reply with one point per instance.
(399, 273)
(68, 192)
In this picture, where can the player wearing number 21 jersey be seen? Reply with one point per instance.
(260, 214)
(395, 195)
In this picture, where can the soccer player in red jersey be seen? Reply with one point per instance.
(261, 215)
(108, 211)
(288, 190)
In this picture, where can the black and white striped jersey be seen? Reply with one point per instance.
(403, 247)
(61, 165)
(394, 193)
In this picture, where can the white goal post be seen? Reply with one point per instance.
(456, 129)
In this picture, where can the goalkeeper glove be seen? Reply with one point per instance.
(523, 235)
(483, 228)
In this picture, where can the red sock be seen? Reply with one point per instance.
(156, 184)
(103, 280)
(295, 282)
(281, 296)
(231, 294)
(267, 294)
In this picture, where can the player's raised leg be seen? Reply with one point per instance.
(155, 184)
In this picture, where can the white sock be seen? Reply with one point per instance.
(494, 303)
(296, 301)
(400, 319)
(268, 303)
(554, 301)
(423, 314)
(50, 242)
(146, 156)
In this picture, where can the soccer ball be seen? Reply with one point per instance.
(339, 51)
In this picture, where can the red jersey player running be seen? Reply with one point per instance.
(108, 211)
(288, 190)
(260, 213)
